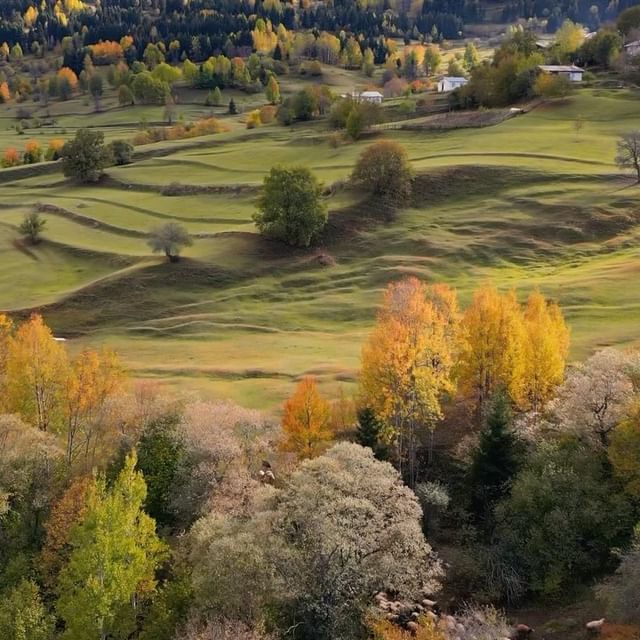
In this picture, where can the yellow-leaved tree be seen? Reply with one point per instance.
(522, 351)
(545, 352)
(6, 328)
(407, 363)
(492, 349)
(92, 377)
(36, 370)
(306, 421)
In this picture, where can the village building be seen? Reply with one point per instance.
(570, 71)
(632, 49)
(450, 83)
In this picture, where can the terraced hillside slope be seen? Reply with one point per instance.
(528, 202)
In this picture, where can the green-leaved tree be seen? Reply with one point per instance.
(32, 226)
(290, 207)
(85, 157)
(115, 553)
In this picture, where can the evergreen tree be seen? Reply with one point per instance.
(368, 432)
(495, 461)
(160, 452)
(115, 552)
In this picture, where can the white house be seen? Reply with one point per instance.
(632, 49)
(449, 83)
(566, 70)
(364, 96)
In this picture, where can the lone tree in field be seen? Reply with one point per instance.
(629, 152)
(85, 157)
(170, 239)
(32, 226)
(289, 207)
(383, 169)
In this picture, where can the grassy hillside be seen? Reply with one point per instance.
(527, 202)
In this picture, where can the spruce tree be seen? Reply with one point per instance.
(496, 460)
(369, 431)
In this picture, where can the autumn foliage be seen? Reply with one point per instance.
(306, 421)
(11, 157)
(423, 349)
(504, 345)
(407, 361)
(54, 393)
(66, 512)
(107, 52)
(68, 74)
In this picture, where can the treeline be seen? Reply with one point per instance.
(206, 28)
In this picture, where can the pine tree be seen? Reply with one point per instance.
(495, 461)
(369, 432)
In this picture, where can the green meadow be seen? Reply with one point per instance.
(530, 202)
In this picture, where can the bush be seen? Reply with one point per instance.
(32, 152)
(121, 152)
(54, 150)
(10, 158)
(315, 68)
(383, 169)
(253, 119)
(32, 226)
(268, 113)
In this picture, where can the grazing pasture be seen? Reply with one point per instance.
(533, 201)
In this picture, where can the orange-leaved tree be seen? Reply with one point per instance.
(65, 513)
(407, 362)
(36, 370)
(306, 421)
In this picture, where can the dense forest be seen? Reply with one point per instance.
(204, 27)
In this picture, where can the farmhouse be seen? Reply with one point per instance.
(449, 83)
(570, 71)
(632, 49)
(365, 96)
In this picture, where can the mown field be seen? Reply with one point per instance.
(529, 202)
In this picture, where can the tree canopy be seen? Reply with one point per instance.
(290, 206)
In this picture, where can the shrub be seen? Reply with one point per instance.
(383, 169)
(121, 152)
(32, 152)
(54, 150)
(10, 158)
(32, 226)
(268, 113)
(253, 119)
